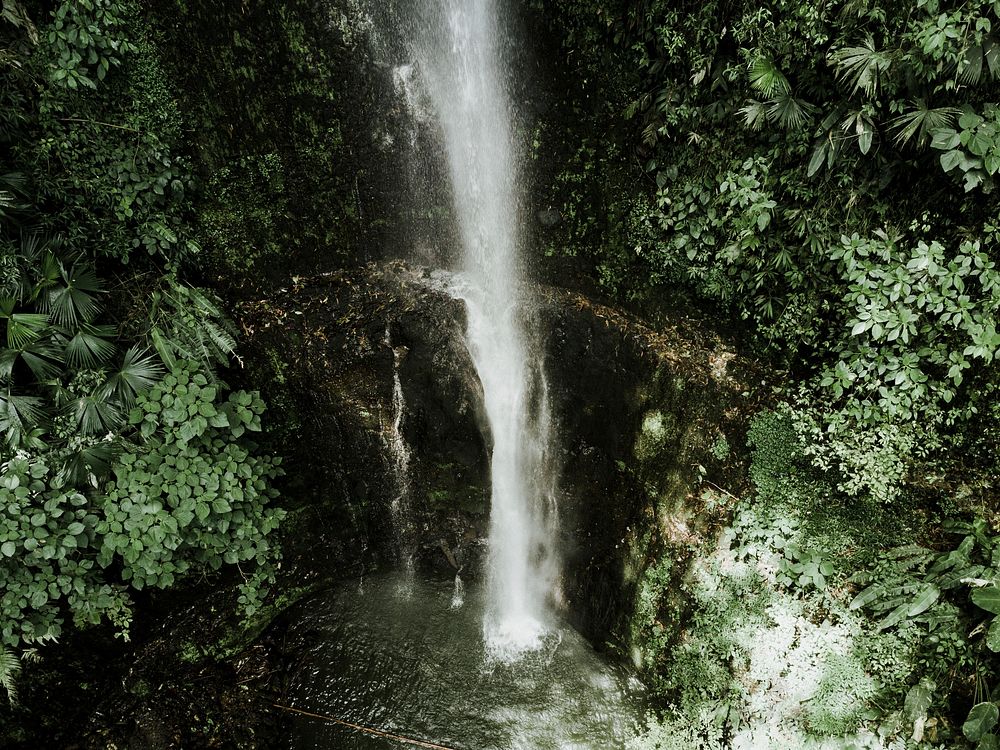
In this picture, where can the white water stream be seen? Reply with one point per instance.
(459, 50)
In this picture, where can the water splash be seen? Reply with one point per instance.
(458, 45)
(407, 89)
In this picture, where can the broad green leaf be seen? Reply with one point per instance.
(918, 699)
(818, 156)
(923, 601)
(865, 140)
(982, 719)
(980, 144)
(897, 615)
(969, 120)
(868, 596)
(987, 598)
(946, 139)
(951, 159)
(993, 635)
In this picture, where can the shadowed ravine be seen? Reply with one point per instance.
(493, 667)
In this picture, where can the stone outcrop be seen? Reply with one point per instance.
(644, 420)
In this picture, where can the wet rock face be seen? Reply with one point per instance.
(342, 337)
(637, 415)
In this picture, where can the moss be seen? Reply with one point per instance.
(657, 614)
(240, 636)
(659, 430)
(469, 499)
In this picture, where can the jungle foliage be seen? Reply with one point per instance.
(824, 173)
(125, 461)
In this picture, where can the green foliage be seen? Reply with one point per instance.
(824, 173)
(651, 626)
(203, 495)
(974, 149)
(86, 40)
(186, 323)
(10, 667)
(186, 498)
(125, 464)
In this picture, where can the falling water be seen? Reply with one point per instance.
(399, 452)
(458, 594)
(459, 48)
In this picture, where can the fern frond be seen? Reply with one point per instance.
(10, 668)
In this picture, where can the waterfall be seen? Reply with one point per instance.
(459, 48)
(399, 452)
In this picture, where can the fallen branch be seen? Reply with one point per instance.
(366, 730)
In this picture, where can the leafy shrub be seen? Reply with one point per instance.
(186, 497)
(124, 464)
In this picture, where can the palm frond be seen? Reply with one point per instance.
(74, 300)
(861, 67)
(138, 373)
(917, 125)
(88, 465)
(95, 415)
(789, 112)
(41, 356)
(754, 114)
(979, 60)
(91, 346)
(24, 329)
(18, 416)
(43, 360)
(766, 78)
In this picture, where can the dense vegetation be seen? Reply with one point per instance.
(824, 172)
(126, 461)
(821, 176)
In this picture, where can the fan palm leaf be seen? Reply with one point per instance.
(75, 299)
(138, 373)
(95, 415)
(87, 465)
(754, 114)
(23, 329)
(766, 78)
(18, 415)
(788, 112)
(42, 357)
(91, 346)
(862, 67)
(917, 125)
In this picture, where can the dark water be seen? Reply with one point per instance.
(394, 654)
